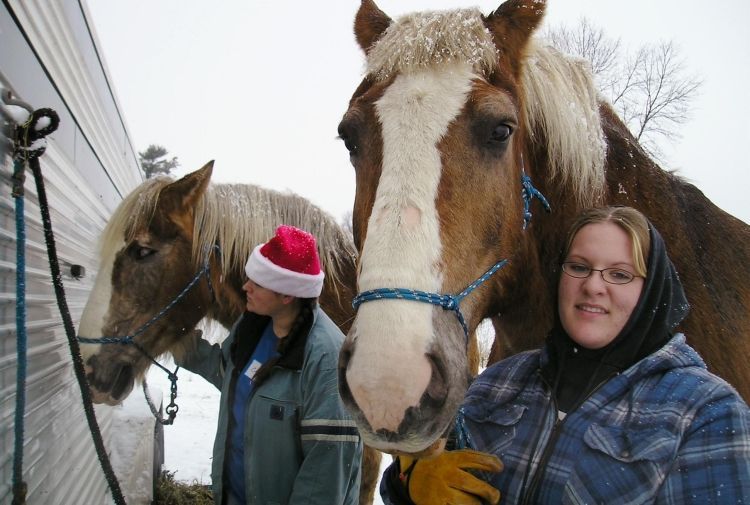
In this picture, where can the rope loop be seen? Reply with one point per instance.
(30, 136)
(29, 143)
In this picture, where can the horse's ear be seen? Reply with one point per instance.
(369, 24)
(186, 192)
(511, 26)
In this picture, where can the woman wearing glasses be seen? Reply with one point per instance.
(615, 409)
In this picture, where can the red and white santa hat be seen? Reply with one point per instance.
(288, 264)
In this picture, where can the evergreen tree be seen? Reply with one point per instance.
(154, 161)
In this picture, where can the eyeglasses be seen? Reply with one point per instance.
(611, 275)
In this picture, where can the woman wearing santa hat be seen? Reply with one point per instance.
(283, 434)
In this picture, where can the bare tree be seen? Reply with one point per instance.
(650, 88)
(589, 42)
(665, 96)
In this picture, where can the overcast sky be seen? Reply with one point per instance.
(260, 85)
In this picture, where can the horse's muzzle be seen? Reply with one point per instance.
(110, 383)
(399, 412)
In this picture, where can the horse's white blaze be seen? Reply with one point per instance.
(95, 311)
(402, 247)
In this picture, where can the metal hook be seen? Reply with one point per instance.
(7, 99)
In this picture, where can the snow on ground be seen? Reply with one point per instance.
(188, 443)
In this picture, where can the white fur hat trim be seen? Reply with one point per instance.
(269, 275)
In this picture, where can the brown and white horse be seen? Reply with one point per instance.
(454, 110)
(158, 241)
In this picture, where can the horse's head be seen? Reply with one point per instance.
(433, 133)
(145, 264)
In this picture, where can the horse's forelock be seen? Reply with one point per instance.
(562, 107)
(257, 213)
(425, 39)
(131, 215)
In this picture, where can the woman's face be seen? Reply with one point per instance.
(593, 311)
(262, 301)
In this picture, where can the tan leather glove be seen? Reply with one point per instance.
(444, 479)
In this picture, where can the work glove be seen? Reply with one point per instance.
(446, 479)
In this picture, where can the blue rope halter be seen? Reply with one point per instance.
(172, 408)
(529, 192)
(461, 432)
(448, 301)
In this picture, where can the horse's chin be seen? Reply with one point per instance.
(109, 383)
(420, 437)
(101, 398)
(434, 450)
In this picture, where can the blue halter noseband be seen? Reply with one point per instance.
(448, 301)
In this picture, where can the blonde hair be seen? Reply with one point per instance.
(632, 222)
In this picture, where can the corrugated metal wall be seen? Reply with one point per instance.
(49, 59)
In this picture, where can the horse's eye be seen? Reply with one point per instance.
(501, 134)
(349, 143)
(142, 252)
(350, 140)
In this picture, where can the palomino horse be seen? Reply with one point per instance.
(146, 254)
(455, 112)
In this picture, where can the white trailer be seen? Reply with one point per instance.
(49, 57)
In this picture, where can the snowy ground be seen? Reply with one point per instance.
(188, 443)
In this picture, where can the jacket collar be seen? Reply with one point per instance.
(247, 335)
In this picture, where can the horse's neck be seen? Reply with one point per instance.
(521, 308)
(228, 302)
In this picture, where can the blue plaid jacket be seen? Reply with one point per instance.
(664, 431)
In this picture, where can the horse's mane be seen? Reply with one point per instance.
(562, 108)
(255, 212)
(560, 100)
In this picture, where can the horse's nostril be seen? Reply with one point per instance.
(437, 389)
(122, 384)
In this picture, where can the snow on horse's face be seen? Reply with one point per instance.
(432, 135)
(145, 264)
